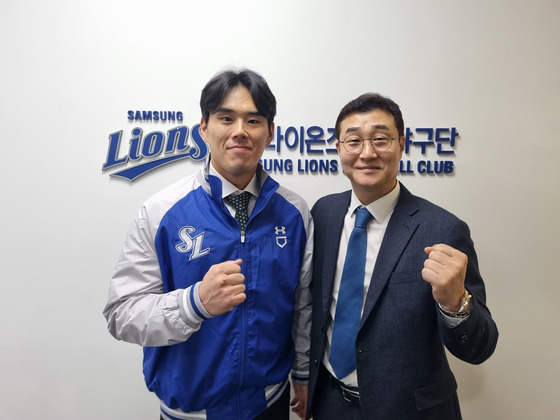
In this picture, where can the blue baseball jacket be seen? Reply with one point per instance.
(222, 365)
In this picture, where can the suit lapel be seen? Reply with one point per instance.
(333, 226)
(399, 231)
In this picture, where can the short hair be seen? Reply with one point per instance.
(219, 86)
(370, 102)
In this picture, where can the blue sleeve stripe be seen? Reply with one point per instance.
(187, 314)
(195, 305)
(273, 392)
(300, 379)
(192, 303)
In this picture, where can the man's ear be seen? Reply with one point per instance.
(270, 134)
(203, 128)
(401, 144)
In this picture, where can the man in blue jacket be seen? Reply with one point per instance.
(395, 281)
(213, 279)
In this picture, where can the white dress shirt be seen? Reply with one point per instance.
(381, 209)
(228, 188)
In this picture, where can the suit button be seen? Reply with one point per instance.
(322, 328)
(464, 338)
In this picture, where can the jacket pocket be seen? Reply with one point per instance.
(435, 394)
(406, 276)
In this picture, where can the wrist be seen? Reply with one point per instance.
(454, 307)
(463, 310)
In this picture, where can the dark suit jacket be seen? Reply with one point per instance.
(403, 372)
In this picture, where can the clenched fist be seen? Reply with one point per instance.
(223, 288)
(445, 270)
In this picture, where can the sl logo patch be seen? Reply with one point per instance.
(281, 241)
(191, 244)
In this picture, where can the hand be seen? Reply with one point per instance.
(299, 402)
(445, 269)
(222, 287)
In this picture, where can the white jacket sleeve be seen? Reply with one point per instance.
(301, 327)
(138, 310)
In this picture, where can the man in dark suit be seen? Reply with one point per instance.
(418, 289)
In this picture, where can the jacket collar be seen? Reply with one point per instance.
(213, 185)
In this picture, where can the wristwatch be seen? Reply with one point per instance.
(464, 310)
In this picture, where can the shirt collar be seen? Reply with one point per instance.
(382, 207)
(228, 188)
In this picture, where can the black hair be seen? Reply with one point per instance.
(222, 83)
(370, 102)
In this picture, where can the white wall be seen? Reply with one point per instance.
(70, 71)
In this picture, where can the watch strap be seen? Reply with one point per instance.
(464, 310)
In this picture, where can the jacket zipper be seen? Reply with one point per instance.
(243, 330)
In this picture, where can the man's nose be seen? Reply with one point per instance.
(368, 148)
(239, 128)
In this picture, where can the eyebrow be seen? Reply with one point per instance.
(230, 111)
(375, 126)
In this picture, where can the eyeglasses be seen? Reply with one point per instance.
(355, 144)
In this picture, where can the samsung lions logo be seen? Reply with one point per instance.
(145, 152)
(281, 241)
(191, 244)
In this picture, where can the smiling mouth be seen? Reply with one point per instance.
(239, 147)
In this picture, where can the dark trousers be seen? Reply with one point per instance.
(330, 401)
(280, 410)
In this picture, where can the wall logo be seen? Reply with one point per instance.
(149, 151)
(436, 145)
(314, 148)
(429, 141)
